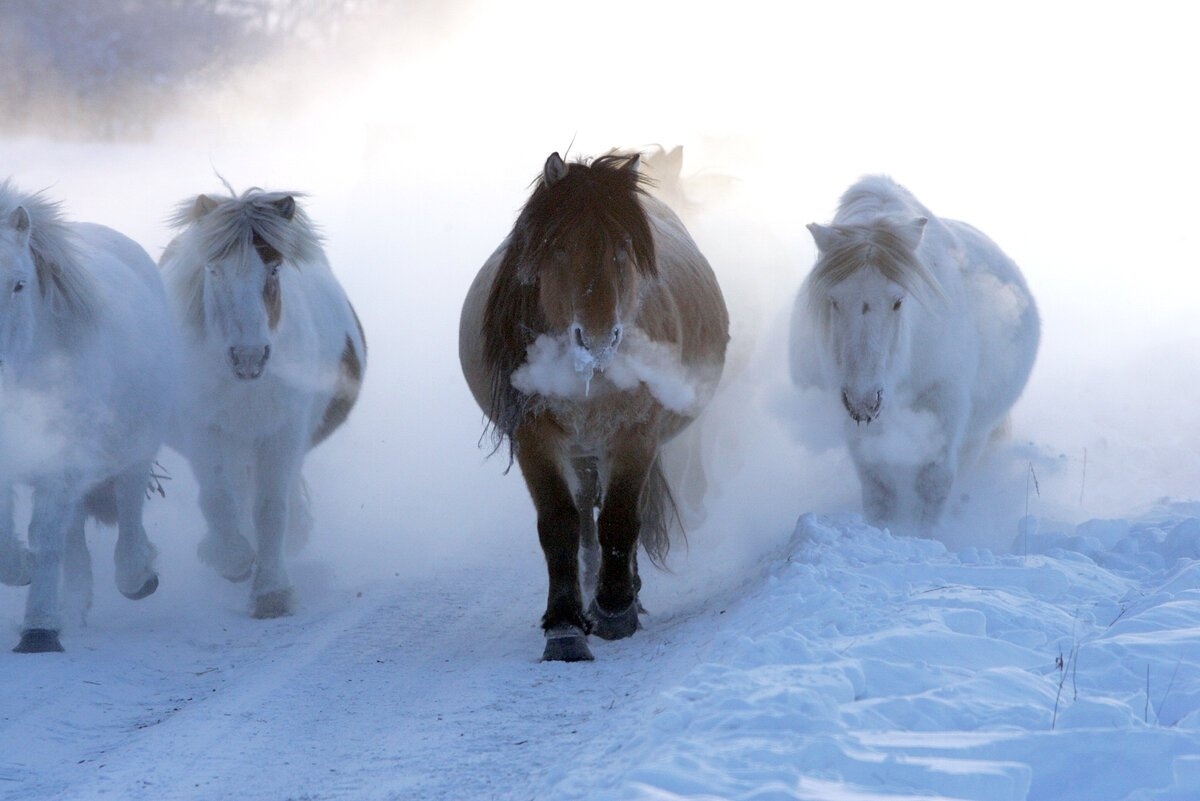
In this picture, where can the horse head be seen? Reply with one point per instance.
(588, 246)
(246, 242)
(859, 287)
(18, 287)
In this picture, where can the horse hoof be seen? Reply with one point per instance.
(277, 603)
(147, 589)
(614, 625)
(566, 644)
(38, 641)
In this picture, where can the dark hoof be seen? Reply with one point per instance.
(147, 589)
(273, 604)
(566, 644)
(614, 625)
(39, 641)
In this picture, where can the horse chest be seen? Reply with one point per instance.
(591, 424)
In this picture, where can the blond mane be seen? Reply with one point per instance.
(881, 244)
(217, 229)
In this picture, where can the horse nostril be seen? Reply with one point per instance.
(616, 336)
(579, 341)
(266, 352)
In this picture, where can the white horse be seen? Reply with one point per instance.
(274, 358)
(88, 361)
(928, 333)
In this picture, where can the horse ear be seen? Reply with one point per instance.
(634, 165)
(20, 222)
(555, 169)
(913, 231)
(203, 205)
(286, 206)
(826, 237)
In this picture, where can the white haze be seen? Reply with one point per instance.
(1063, 132)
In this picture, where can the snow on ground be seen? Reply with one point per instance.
(1043, 645)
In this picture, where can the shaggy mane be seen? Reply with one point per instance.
(598, 204)
(234, 228)
(67, 287)
(880, 244)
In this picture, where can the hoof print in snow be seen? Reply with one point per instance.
(39, 641)
(566, 644)
(273, 604)
(614, 625)
(147, 589)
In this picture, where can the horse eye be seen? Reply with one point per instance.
(18, 286)
(866, 307)
(834, 304)
(896, 305)
(275, 269)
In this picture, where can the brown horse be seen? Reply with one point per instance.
(593, 334)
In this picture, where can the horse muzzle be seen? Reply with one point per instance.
(863, 408)
(594, 352)
(249, 363)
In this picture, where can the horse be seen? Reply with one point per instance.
(88, 365)
(593, 334)
(927, 332)
(274, 356)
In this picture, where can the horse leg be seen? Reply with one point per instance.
(558, 525)
(223, 548)
(77, 571)
(15, 560)
(134, 554)
(934, 481)
(615, 607)
(55, 512)
(587, 499)
(277, 470)
(880, 498)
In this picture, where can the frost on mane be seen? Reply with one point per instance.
(551, 370)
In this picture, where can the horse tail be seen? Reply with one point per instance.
(659, 515)
(101, 502)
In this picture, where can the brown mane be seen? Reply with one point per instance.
(598, 204)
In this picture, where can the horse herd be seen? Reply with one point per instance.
(592, 335)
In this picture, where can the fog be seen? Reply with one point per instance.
(1065, 133)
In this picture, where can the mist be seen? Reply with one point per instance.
(1063, 133)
